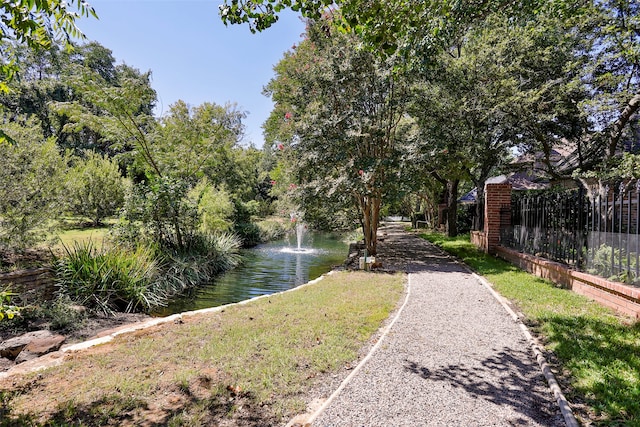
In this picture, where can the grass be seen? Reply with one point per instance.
(599, 352)
(69, 237)
(253, 361)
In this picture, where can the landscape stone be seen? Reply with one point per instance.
(39, 347)
(12, 347)
(6, 364)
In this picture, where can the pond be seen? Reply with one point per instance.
(266, 269)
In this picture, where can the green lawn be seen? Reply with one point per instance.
(72, 230)
(254, 360)
(598, 351)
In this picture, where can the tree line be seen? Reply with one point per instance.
(397, 104)
(79, 137)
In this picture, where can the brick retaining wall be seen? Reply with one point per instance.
(619, 296)
(30, 285)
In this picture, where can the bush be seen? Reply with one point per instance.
(249, 233)
(121, 279)
(272, 230)
(110, 280)
(30, 177)
(7, 310)
(204, 258)
(95, 188)
(215, 208)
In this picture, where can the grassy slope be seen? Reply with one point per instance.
(598, 351)
(254, 360)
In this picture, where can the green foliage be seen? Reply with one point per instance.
(95, 187)
(39, 22)
(108, 280)
(197, 141)
(272, 229)
(7, 309)
(343, 144)
(159, 211)
(203, 258)
(215, 207)
(30, 176)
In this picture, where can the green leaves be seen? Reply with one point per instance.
(7, 309)
(39, 22)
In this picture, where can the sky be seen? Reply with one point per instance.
(192, 55)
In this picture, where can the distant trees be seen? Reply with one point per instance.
(37, 24)
(95, 187)
(30, 192)
(98, 118)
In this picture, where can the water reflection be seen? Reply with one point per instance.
(268, 268)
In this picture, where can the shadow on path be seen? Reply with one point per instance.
(402, 251)
(502, 379)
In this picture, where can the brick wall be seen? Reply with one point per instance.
(30, 285)
(619, 296)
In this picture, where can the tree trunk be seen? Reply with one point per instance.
(452, 207)
(370, 208)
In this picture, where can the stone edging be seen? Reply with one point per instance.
(384, 332)
(563, 403)
(57, 358)
(565, 409)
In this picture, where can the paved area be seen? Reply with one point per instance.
(454, 357)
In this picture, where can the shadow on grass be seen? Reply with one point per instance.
(605, 357)
(502, 380)
(116, 410)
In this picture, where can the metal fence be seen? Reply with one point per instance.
(596, 231)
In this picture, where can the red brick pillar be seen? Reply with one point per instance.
(496, 196)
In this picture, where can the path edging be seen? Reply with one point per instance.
(563, 403)
(569, 418)
(384, 332)
(57, 358)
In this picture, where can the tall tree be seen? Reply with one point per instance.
(345, 106)
(38, 24)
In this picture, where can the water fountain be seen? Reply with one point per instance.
(270, 267)
(300, 232)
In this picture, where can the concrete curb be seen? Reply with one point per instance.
(57, 358)
(563, 403)
(565, 408)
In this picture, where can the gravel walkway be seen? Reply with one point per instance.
(454, 357)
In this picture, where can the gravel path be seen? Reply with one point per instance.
(454, 357)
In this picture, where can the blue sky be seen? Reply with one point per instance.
(192, 55)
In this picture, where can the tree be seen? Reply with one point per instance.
(196, 141)
(415, 30)
(30, 191)
(345, 106)
(95, 187)
(611, 75)
(38, 24)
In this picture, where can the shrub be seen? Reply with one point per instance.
(31, 171)
(102, 280)
(272, 230)
(204, 257)
(7, 309)
(95, 188)
(215, 208)
(248, 232)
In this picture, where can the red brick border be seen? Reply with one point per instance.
(622, 298)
